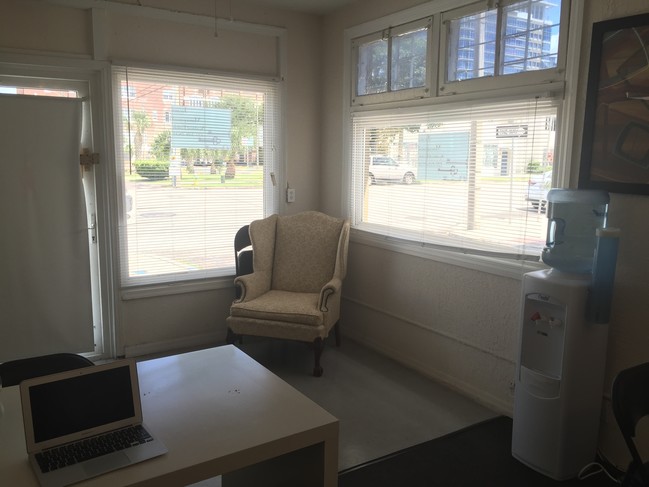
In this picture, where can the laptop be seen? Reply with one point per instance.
(85, 422)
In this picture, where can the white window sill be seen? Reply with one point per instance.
(500, 267)
(182, 287)
(513, 269)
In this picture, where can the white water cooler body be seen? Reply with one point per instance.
(559, 376)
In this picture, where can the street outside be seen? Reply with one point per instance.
(200, 222)
(445, 204)
(198, 225)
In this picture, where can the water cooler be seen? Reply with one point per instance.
(562, 355)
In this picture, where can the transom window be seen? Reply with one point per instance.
(520, 37)
(393, 60)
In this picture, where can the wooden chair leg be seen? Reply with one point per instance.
(318, 345)
(337, 333)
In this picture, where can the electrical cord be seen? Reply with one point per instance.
(595, 468)
(602, 464)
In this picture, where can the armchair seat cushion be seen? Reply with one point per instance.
(284, 306)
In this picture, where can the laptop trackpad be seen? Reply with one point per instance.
(106, 463)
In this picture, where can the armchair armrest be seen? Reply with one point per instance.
(252, 285)
(330, 289)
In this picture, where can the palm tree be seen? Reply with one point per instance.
(141, 122)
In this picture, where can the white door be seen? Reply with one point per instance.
(49, 289)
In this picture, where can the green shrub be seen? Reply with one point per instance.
(152, 169)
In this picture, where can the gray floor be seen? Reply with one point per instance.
(382, 406)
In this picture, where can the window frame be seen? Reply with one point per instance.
(92, 80)
(570, 52)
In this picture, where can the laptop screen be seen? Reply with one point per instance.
(80, 403)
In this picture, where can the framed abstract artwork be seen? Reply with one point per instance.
(615, 148)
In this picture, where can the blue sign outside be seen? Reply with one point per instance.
(444, 155)
(200, 128)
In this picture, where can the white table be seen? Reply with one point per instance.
(219, 413)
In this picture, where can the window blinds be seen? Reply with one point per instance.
(196, 155)
(473, 164)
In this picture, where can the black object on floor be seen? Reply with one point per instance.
(477, 456)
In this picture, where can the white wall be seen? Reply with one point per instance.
(458, 325)
(61, 32)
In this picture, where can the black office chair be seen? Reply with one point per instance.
(243, 252)
(630, 399)
(15, 371)
(243, 266)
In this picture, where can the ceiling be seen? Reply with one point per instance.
(318, 7)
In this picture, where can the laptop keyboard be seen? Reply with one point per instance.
(83, 450)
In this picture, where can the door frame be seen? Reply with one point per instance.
(92, 79)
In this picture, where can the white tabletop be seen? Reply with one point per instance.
(216, 410)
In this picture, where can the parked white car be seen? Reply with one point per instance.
(537, 189)
(384, 168)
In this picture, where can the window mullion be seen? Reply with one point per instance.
(390, 60)
(500, 43)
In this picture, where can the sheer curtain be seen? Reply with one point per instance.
(45, 288)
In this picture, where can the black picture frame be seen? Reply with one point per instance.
(615, 146)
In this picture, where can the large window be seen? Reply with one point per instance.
(456, 178)
(196, 158)
(468, 167)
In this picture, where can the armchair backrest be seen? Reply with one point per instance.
(301, 252)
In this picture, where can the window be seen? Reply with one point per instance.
(465, 161)
(392, 61)
(518, 37)
(128, 92)
(192, 178)
(461, 177)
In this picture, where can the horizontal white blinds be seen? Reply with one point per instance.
(471, 167)
(195, 154)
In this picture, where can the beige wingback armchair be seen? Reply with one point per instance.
(299, 263)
